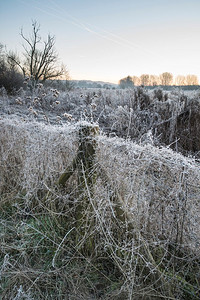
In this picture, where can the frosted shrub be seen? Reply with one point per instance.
(32, 153)
(160, 187)
(172, 117)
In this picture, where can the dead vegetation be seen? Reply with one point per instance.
(126, 227)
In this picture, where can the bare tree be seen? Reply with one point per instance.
(136, 80)
(144, 79)
(180, 80)
(153, 80)
(40, 62)
(166, 78)
(126, 82)
(192, 80)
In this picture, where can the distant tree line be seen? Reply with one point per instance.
(165, 79)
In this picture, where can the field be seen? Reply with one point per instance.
(100, 194)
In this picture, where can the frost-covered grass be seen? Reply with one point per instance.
(131, 232)
(169, 118)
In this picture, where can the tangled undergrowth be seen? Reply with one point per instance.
(124, 227)
(168, 118)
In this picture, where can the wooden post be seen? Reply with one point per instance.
(83, 163)
(84, 160)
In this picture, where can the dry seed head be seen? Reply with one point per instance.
(54, 91)
(18, 100)
(93, 106)
(39, 85)
(26, 79)
(35, 113)
(68, 116)
(45, 118)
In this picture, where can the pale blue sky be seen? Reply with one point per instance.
(108, 40)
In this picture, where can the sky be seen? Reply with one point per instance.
(108, 40)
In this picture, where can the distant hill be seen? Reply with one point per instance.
(93, 84)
